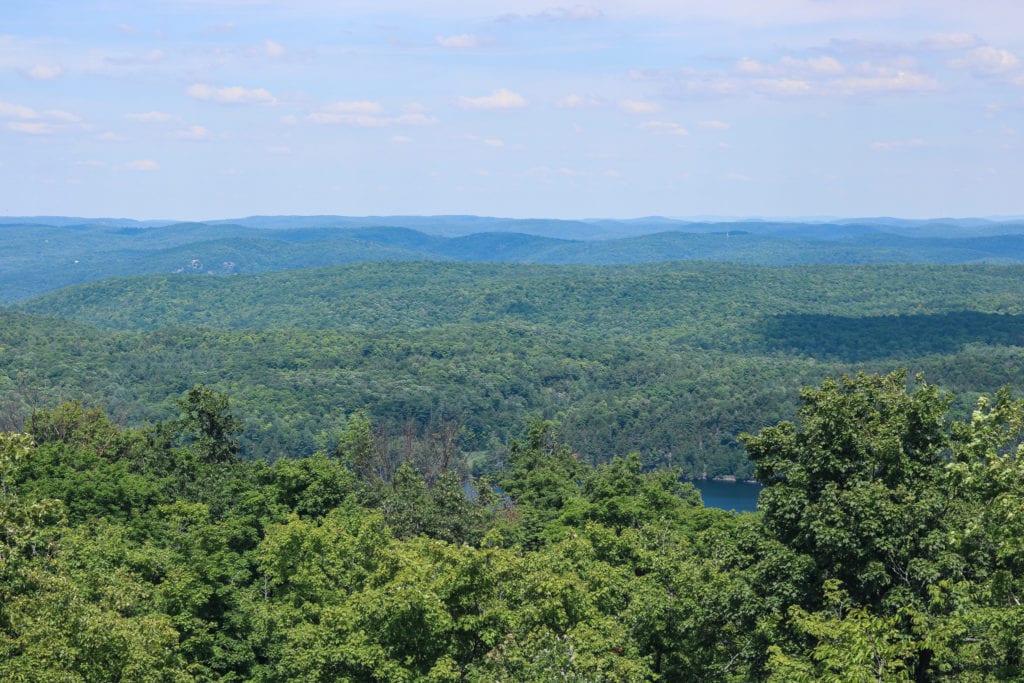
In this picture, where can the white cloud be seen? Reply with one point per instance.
(17, 111)
(195, 133)
(574, 13)
(489, 142)
(368, 114)
(32, 128)
(401, 139)
(273, 49)
(499, 99)
(782, 86)
(988, 60)
(327, 118)
(816, 65)
(462, 41)
(142, 165)
(715, 125)
(813, 77)
(280, 149)
(666, 127)
(150, 117)
(886, 82)
(749, 66)
(28, 120)
(578, 102)
(58, 115)
(44, 72)
(230, 95)
(354, 107)
(639, 107)
(110, 136)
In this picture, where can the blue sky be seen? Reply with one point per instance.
(192, 109)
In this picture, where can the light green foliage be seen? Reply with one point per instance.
(888, 548)
(851, 644)
(28, 527)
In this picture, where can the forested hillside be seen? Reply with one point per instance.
(887, 548)
(670, 360)
(43, 254)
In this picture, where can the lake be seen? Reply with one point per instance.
(740, 496)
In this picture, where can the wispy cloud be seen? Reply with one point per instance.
(488, 142)
(23, 119)
(194, 133)
(44, 72)
(895, 81)
(666, 127)
(578, 102)
(462, 41)
(19, 111)
(639, 107)
(988, 61)
(230, 95)
(32, 127)
(817, 65)
(802, 77)
(354, 107)
(746, 65)
(273, 49)
(715, 125)
(499, 99)
(557, 14)
(142, 165)
(368, 114)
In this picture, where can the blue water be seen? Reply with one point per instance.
(729, 495)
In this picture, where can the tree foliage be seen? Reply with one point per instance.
(887, 547)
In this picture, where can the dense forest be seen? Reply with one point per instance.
(887, 547)
(670, 360)
(412, 467)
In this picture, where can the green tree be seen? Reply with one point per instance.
(859, 488)
(207, 425)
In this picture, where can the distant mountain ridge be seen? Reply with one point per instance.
(588, 228)
(41, 254)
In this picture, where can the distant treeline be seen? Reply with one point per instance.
(47, 253)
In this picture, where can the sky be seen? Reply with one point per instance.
(202, 109)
